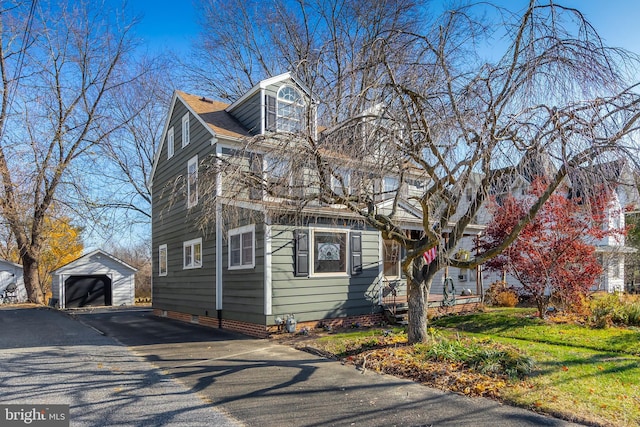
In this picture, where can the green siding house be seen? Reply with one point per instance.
(253, 270)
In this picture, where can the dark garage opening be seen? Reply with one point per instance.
(84, 291)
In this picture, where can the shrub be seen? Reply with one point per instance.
(496, 294)
(451, 350)
(633, 313)
(506, 298)
(484, 356)
(502, 361)
(607, 310)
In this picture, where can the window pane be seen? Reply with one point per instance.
(185, 130)
(288, 93)
(163, 260)
(390, 184)
(235, 250)
(247, 249)
(170, 145)
(197, 254)
(192, 182)
(289, 109)
(336, 186)
(330, 252)
(187, 256)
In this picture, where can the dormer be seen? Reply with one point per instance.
(277, 104)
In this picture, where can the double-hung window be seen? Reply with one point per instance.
(192, 182)
(170, 143)
(162, 260)
(192, 253)
(278, 172)
(185, 130)
(242, 251)
(290, 109)
(391, 184)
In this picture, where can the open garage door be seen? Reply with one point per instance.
(86, 291)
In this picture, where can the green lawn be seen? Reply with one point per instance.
(522, 324)
(579, 373)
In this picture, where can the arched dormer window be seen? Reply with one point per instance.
(290, 109)
(285, 111)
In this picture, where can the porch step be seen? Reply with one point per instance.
(397, 314)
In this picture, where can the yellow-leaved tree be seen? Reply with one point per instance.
(62, 244)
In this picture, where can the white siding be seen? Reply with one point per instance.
(12, 273)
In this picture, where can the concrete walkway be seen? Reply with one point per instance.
(47, 357)
(263, 383)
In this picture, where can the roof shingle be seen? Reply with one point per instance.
(214, 115)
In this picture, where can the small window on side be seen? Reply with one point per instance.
(242, 248)
(162, 260)
(185, 130)
(192, 254)
(192, 182)
(170, 143)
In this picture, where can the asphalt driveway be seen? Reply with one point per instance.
(263, 383)
(48, 358)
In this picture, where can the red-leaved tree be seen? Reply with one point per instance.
(554, 254)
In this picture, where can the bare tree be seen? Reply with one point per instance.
(123, 165)
(410, 98)
(60, 66)
(139, 257)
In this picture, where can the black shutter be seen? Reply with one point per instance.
(403, 254)
(270, 113)
(301, 243)
(356, 253)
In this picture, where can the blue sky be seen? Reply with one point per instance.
(166, 24)
(170, 24)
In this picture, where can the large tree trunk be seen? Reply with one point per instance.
(31, 280)
(418, 295)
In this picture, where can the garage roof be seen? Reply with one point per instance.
(99, 252)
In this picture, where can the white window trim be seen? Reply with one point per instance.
(240, 231)
(312, 252)
(186, 134)
(162, 248)
(191, 243)
(192, 161)
(170, 143)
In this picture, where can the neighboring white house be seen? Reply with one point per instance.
(611, 249)
(94, 279)
(12, 273)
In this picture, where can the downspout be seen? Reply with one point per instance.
(267, 266)
(219, 236)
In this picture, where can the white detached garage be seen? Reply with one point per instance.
(94, 279)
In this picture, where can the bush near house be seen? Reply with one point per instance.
(500, 295)
(607, 310)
